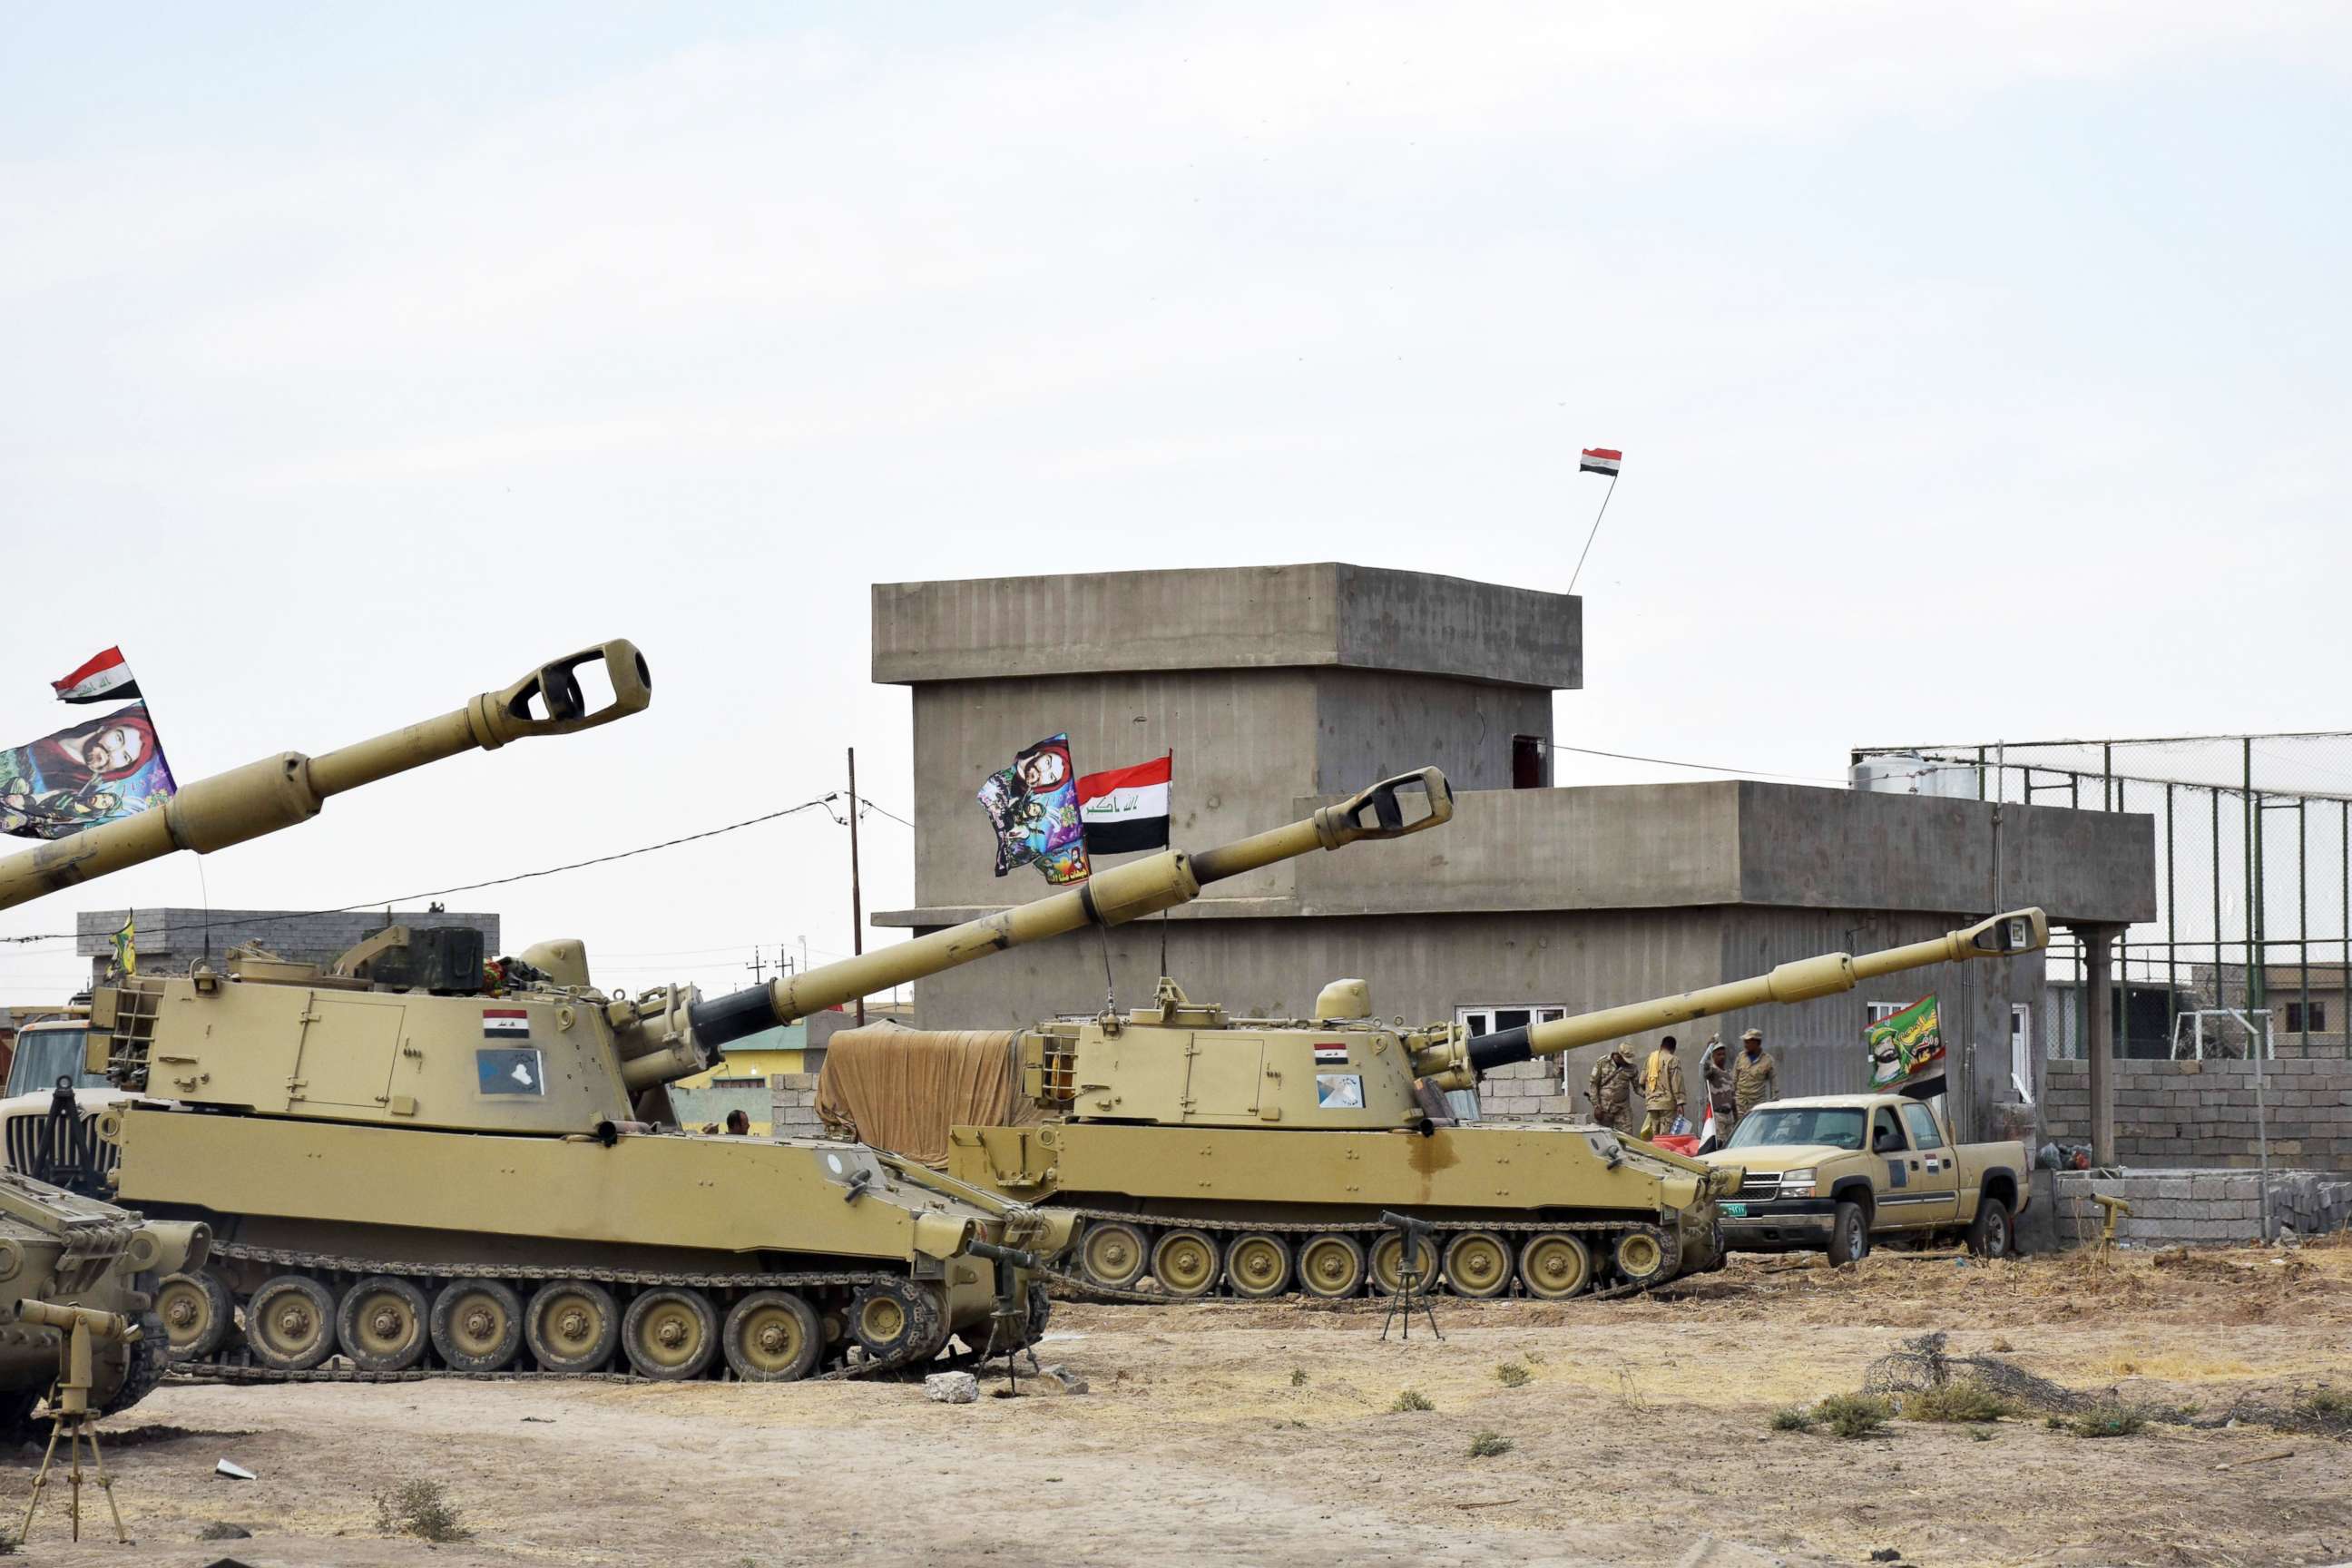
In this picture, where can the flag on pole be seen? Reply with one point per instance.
(1033, 807)
(105, 678)
(101, 769)
(126, 945)
(1126, 809)
(1601, 460)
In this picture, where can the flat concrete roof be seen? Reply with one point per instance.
(1326, 614)
(1729, 842)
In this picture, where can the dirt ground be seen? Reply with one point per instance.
(1257, 1434)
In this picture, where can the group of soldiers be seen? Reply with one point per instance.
(1733, 1089)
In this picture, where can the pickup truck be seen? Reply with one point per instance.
(1837, 1172)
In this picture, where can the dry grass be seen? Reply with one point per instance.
(421, 1509)
(1411, 1399)
(1854, 1414)
(1512, 1374)
(1962, 1399)
(1488, 1444)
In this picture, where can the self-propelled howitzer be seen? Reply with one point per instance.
(1247, 1154)
(417, 1167)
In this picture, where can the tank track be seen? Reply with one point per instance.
(240, 1367)
(1081, 1286)
(147, 1358)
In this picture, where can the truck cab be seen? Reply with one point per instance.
(50, 1052)
(1838, 1174)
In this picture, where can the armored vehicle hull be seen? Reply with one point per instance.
(71, 1251)
(1551, 1211)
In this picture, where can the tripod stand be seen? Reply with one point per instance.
(69, 1413)
(1412, 1281)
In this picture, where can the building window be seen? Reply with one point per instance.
(1881, 1011)
(2021, 1050)
(1530, 763)
(2300, 1018)
(1494, 1019)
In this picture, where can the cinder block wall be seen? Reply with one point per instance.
(793, 1095)
(2202, 1113)
(2199, 1207)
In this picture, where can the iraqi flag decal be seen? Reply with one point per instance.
(1326, 1052)
(506, 1023)
(1601, 460)
(105, 678)
(1126, 809)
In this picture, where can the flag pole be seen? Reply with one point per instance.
(1595, 534)
(857, 890)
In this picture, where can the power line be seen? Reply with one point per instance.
(1703, 767)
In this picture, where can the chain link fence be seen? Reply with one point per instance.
(2252, 936)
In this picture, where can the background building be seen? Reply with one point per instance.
(173, 939)
(1279, 689)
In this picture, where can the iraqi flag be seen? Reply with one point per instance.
(1601, 460)
(506, 1023)
(1126, 809)
(105, 678)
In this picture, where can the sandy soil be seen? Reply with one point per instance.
(1247, 1433)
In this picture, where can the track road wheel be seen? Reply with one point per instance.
(198, 1313)
(1849, 1235)
(1388, 1263)
(1556, 1267)
(572, 1326)
(1185, 1263)
(1114, 1253)
(1991, 1234)
(384, 1324)
(670, 1334)
(476, 1325)
(1331, 1267)
(771, 1336)
(898, 1321)
(1478, 1264)
(1640, 1257)
(290, 1323)
(1258, 1267)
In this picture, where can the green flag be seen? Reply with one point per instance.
(126, 945)
(1905, 1045)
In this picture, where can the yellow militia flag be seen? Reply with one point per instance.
(126, 946)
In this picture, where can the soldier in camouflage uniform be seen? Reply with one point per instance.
(1611, 1090)
(1754, 1076)
(1720, 1096)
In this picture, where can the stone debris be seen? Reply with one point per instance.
(222, 1530)
(1059, 1379)
(952, 1387)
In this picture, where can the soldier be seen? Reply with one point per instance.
(1662, 1090)
(1754, 1076)
(1720, 1098)
(1611, 1090)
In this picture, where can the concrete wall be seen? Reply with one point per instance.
(2196, 1207)
(1738, 841)
(172, 939)
(2202, 1113)
(1324, 615)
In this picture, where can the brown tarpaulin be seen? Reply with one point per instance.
(901, 1089)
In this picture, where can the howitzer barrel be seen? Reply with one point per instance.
(1457, 1064)
(283, 790)
(1393, 808)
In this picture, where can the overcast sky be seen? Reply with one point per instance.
(1979, 370)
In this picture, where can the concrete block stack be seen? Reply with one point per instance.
(1526, 1091)
(2211, 1208)
(794, 1098)
(2202, 1114)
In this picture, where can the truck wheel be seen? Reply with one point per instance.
(1849, 1235)
(1991, 1236)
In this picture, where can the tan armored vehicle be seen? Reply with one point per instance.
(72, 1251)
(422, 1163)
(1210, 1151)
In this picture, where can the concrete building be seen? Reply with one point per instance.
(173, 939)
(1279, 689)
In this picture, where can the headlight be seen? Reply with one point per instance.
(1797, 1183)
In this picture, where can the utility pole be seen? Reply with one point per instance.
(856, 893)
(757, 966)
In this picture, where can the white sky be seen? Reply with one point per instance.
(1978, 368)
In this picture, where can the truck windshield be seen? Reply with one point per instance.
(1837, 1126)
(45, 1055)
